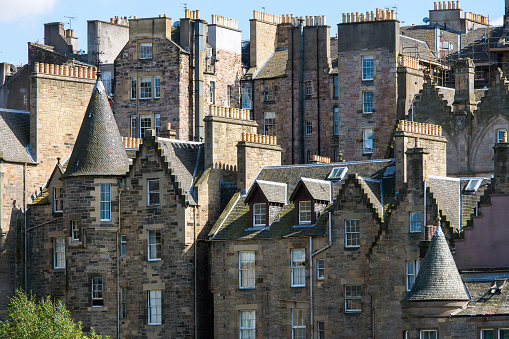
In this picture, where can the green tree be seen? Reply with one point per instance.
(43, 319)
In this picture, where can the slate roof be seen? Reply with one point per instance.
(234, 221)
(409, 46)
(447, 193)
(275, 66)
(99, 149)
(184, 158)
(273, 191)
(15, 136)
(487, 297)
(319, 189)
(438, 278)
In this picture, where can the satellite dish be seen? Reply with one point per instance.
(425, 20)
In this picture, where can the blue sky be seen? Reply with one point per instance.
(22, 21)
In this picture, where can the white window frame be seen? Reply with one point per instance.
(145, 88)
(367, 141)
(352, 233)
(154, 248)
(368, 67)
(229, 92)
(212, 92)
(75, 230)
(157, 124)
(247, 271)
(415, 225)
(308, 127)
(134, 88)
(487, 329)
(145, 124)
(425, 334)
(145, 51)
(320, 329)
(298, 269)
(298, 324)
(105, 202)
(152, 192)
(335, 119)
(353, 298)
(123, 245)
(500, 330)
(320, 269)
(154, 305)
(247, 324)
(157, 87)
(246, 97)
(58, 253)
(308, 88)
(58, 199)
(411, 270)
(134, 126)
(499, 135)
(269, 123)
(335, 86)
(123, 303)
(97, 293)
(260, 213)
(367, 102)
(305, 212)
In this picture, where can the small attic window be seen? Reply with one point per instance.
(338, 173)
(473, 185)
(389, 171)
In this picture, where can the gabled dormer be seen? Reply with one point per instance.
(310, 197)
(265, 199)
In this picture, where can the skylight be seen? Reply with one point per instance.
(473, 185)
(389, 171)
(338, 173)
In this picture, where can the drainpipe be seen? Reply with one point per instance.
(293, 103)
(311, 255)
(118, 263)
(301, 91)
(195, 279)
(318, 88)
(424, 218)
(311, 283)
(198, 78)
(25, 222)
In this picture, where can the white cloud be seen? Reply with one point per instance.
(13, 10)
(497, 21)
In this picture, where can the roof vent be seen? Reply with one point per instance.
(338, 173)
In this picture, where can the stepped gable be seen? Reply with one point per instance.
(438, 278)
(99, 149)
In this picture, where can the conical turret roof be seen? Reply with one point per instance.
(438, 278)
(99, 149)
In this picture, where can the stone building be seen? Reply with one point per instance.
(31, 141)
(168, 74)
(121, 240)
(330, 250)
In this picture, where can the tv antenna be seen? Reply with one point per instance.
(263, 8)
(394, 7)
(183, 4)
(71, 18)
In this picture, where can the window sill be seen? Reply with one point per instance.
(367, 113)
(152, 260)
(367, 153)
(256, 228)
(351, 248)
(298, 286)
(353, 312)
(145, 98)
(157, 324)
(59, 268)
(246, 288)
(153, 205)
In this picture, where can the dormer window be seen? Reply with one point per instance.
(259, 215)
(310, 197)
(305, 212)
(58, 200)
(265, 199)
